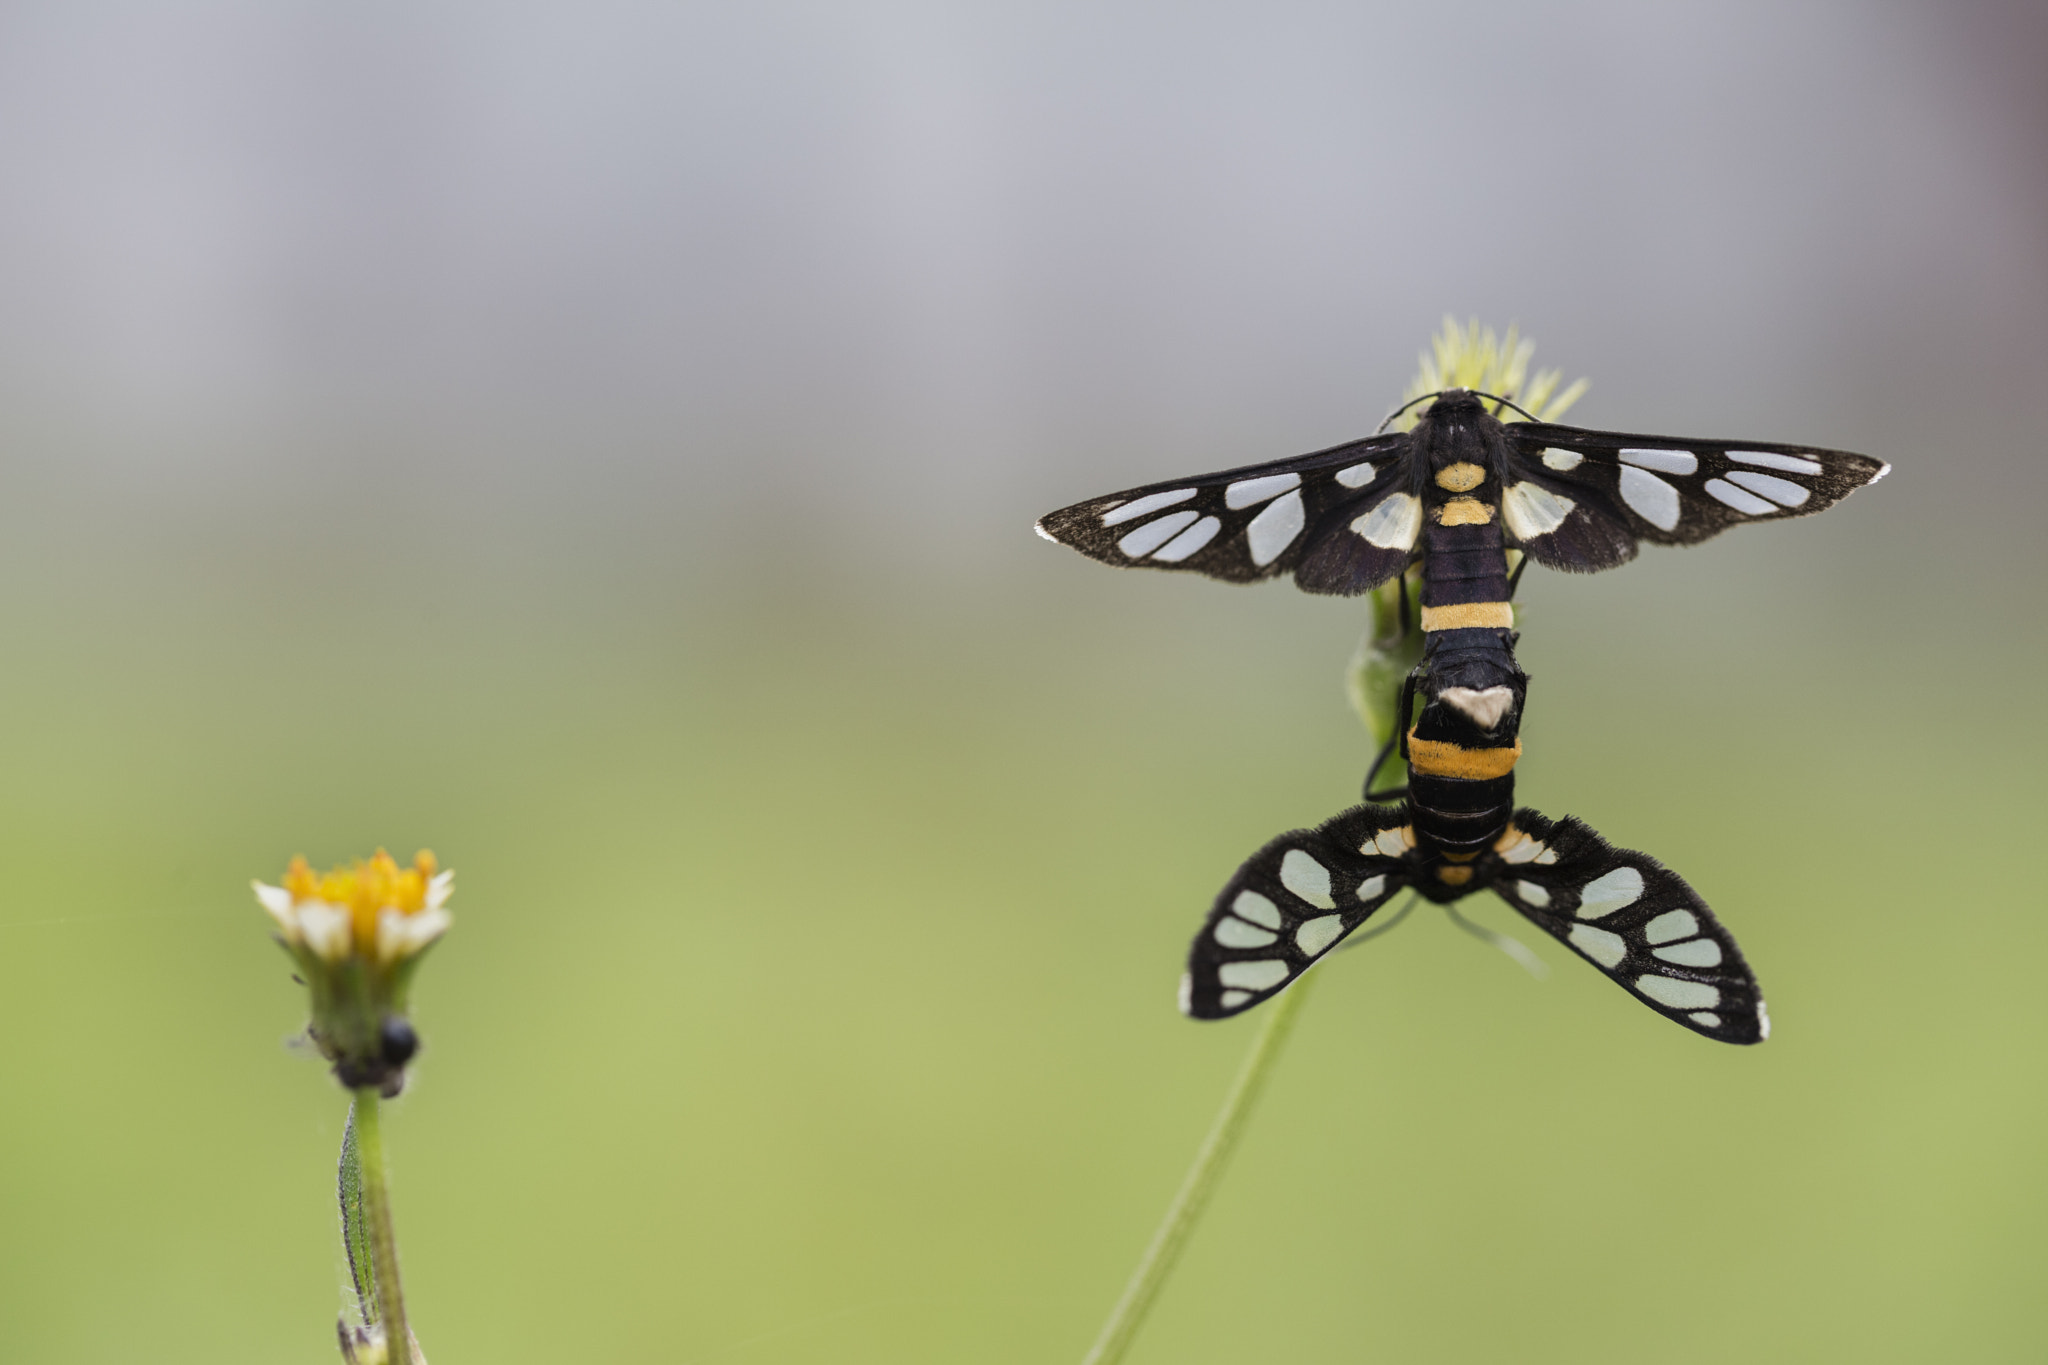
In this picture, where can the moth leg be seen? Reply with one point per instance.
(1400, 735)
(1515, 576)
(1380, 761)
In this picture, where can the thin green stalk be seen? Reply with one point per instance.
(1202, 1179)
(383, 1241)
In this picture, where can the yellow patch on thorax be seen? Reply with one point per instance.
(1441, 758)
(1464, 512)
(1468, 616)
(1461, 477)
(1451, 875)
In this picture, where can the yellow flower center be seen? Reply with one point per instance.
(364, 888)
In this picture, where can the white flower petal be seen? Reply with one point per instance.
(325, 929)
(278, 902)
(439, 888)
(400, 936)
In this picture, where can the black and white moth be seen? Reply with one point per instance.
(1346, 519)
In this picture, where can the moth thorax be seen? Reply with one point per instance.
(1461, 476)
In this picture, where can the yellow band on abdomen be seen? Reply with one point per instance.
(1441, 758)
(1468, 616)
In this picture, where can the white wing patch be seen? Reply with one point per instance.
(1256, 908)
(1131, 511)
(1233, 932)
(1319, 933)
(1781, 491)
(1355, 476)
(1679, 995)
(1670, 925)
(1393, 523)
(1531, 510)
(1248, 492)
(1188, 541)
(1730, 496)
(1606, 894)
(1791, 464)
(1663, 461)
(1607, 949)
(1154, 534)
(1274, 529)
(1307, 878)
(1652, 499)
(1264, 973)
(1563, 461)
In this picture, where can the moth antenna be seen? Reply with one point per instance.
(1480, 393)
(1404, 407)
(1523, 956)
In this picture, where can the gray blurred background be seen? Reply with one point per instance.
(601, 442)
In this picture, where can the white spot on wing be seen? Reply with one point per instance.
(1247, 492)
(1187, 992)
(1306, 878)
(1356, 476)
(1706, 1019)
(1154, 534)
(1257, 975)
(1371, 888)
(1654, 500)
(1533, 894)
(1274, 529)
(1393, 523)
(1523, 850)
(1131, 511)
(1701, 952)
(1606, 894)
(1769, 459)
(1232, 999)
(1318, 933)
(1728, 493)
(1784, 492)
(1189, 541)
(1531, 510)
(1604, 948)
(1256, 908)
(1393, 843)
(1679, 995)
(1232, 932)
(1763, 1016)
(1671, 924)
(1663, 461)
(1563, 461)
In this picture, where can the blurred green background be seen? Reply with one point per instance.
(601, 445)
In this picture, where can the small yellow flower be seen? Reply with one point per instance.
(356, 934)
(1470, 357)
(375, 910)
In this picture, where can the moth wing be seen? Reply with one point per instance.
(1290, 904)
(1580, 500)
(1637, 921)
(1260, 521)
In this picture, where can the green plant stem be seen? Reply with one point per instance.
(1201, 1181)
(383, 1241)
